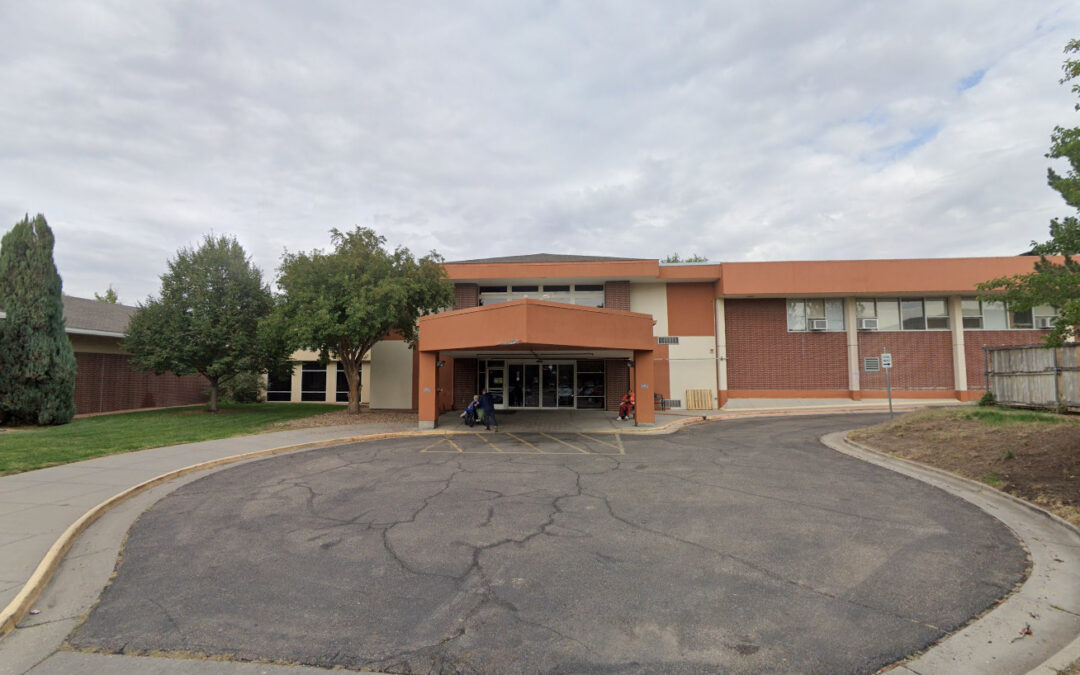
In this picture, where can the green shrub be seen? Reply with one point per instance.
(988, 399)
(244, 388)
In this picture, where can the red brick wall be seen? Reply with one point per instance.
(616, 382)
(921, 359)
(617, 296)
(762, 354)
(974, 340)
(466, 295)
(464, 382)
(107, 382)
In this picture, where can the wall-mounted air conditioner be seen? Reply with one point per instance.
(819, 324)
(867, 324)
(1045, 321)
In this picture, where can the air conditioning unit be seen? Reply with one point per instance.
(867, 324)
(1045, 321)
(819, 324)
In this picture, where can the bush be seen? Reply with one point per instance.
(244, 388)
(988, 399)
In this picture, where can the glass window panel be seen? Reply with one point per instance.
(590, 366)
(815, 309)
(937, 322)
(936, 307)
(1021, 319)
(342, 384)
(796, 315)
(888, 314)
(865, 309)
(911, 315)
(589, 299)
(313, 382)
(834, 312)
(556, 289)
(589, 287)
(525, 289)
(493, 289)
(971, 307)
(279, 388)
(1044, 310)
(994, 316)
(973, 322)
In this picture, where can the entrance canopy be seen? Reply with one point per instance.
(534, 327)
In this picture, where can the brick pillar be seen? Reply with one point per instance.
(617, 295)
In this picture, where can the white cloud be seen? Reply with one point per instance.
(741, 132)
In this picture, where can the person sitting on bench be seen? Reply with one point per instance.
(626, 405)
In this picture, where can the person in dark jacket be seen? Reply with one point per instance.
(487, 404)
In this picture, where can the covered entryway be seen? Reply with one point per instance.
(539, 355)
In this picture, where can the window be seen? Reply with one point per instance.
(313, 382)
(971, 309)
(343, 384)
(590, 385)
(937, 313)
(817, 314)
(911, 315)
(586, 295)
(279, 388)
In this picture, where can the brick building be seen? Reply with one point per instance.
(575, 332)
(105, 380)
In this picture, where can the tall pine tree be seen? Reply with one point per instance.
(37, 364)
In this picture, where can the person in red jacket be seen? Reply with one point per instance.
(626, 405)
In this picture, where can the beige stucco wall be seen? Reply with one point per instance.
(95, 344)
(692, 365)
(651, 299)
(391, 375)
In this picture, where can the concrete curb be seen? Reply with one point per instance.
(994, 642)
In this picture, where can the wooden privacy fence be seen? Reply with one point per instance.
(1035, 376)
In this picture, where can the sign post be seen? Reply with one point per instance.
(886, 364)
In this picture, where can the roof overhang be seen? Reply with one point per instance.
(536, 325)
(867, 277)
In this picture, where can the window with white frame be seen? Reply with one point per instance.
(990, 315)
(885, 314)
(586, 295)
(815, 314)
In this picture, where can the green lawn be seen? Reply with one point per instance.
(24, 449)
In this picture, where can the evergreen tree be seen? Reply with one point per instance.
(37, 363)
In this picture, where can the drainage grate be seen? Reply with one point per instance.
(672, 403)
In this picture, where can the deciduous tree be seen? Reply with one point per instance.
(210, 319)
(340, 303)
(1054, 283)
(37, 363)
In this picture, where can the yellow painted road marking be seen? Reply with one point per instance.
(522, 440)
(484, 439)
(586, 452)
(458, 447)
(610, 445)
(428, 448)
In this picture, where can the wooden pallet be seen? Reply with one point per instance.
(699, 399)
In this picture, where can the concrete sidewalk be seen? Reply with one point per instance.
(36, 507)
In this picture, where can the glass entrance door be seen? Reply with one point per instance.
(534, 385)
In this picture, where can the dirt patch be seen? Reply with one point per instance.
(342, 417)
(1034, 456)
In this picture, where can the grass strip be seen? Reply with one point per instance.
(27, 448)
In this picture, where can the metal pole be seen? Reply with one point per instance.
(986, 367)
(888, 389)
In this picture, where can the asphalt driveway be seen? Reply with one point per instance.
(740, 546)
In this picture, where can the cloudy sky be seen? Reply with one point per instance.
(734, 130)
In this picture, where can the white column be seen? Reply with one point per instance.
(851, 324)
(959, 355)
(721, 353)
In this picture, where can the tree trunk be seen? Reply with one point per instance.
(352, 376)
(212, 406)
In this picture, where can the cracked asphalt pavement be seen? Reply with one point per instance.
(740, 546)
